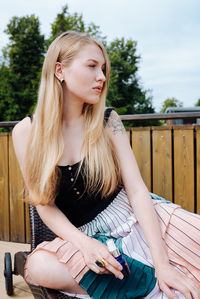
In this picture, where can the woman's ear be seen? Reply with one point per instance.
(59, 71)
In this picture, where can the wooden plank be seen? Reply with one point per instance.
(141, 145)
(16, 187)
(198, 168)
(184, 167)
(4, 194)
(162, 162)
(128, 132)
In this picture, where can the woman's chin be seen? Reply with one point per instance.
(92, 101)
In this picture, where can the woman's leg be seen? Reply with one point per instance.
(181, 233)
(182, 239)
(45, 270)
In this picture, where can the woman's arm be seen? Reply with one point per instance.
(57, 221)
(141, 203)
(136, 190)
(60, 225)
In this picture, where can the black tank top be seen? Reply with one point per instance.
(78, 205)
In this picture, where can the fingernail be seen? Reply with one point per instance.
(121, 276)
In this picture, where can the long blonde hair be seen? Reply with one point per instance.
(46, 145)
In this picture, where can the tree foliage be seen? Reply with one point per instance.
(125, 92)
(197, 103)
(21, 67)
(65, 21)
(171, 102)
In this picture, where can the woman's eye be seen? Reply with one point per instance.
(92, 65)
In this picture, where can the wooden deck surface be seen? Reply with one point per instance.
(21, 290)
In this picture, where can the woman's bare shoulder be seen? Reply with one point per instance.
(22, 128)
(20, 135)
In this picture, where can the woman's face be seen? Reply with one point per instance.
(84, 77)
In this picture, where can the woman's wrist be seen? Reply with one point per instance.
(159, 255)
(80, 240)
(161, 263)
(160, 260)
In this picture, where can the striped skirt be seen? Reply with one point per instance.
(180, 230)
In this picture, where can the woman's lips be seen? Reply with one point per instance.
(98, 89)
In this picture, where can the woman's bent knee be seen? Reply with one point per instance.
(45, 270)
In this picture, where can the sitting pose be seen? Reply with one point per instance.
(82, 176)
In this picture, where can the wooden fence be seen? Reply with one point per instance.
(168, 158)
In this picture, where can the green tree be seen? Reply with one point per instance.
(65, 21)
(171, 102)
(21, 67)
(125, 92)
(197, 103)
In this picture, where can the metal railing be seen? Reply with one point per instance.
(135, 117)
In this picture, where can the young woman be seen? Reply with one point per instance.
(82, 177)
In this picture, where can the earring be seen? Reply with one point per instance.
(62, 81)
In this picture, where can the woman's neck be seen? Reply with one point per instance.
(72, 113)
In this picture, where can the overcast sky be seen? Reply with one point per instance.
(167, 34)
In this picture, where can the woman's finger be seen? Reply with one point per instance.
(113, 262)
(183, 290)
(169, 293)
(113, 270)
(107, 271)
(188, 289)
(104, 271)
(108, 268)
(95, 268)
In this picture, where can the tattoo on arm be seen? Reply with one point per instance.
(115, 123)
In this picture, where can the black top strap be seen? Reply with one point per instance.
(31, 117)
(107, 113)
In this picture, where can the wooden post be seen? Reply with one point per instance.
(4, 192)
(198, 168)
(162, 161)
(141, 145)
(184, 167)
(128, 132)
(16, 187)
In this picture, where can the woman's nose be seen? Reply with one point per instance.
(101, 76)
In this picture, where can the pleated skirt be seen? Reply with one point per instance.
(180, 230)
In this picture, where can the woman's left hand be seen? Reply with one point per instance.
(170, 278)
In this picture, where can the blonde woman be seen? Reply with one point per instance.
(82, 177)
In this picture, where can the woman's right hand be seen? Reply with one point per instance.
(94, 250)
